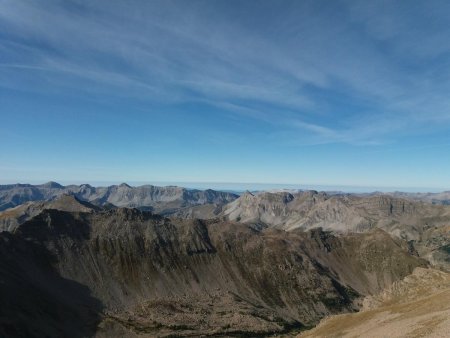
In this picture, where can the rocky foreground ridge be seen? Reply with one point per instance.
(73, 264)
(125, 272)
(423, 225)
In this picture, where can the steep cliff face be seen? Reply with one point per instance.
(422, 225)
(157, 276)
(341, 213)
(335, 212)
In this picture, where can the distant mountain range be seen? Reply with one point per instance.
(163, 200)
(158, 199)
(434, 198)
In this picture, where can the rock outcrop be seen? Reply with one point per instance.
(423, 225)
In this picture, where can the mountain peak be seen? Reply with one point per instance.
(70, 202)
(247, 194)
(52, 185)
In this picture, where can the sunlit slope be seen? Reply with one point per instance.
(418, 306)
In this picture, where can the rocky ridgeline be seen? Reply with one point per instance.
(220, 268)
(126, 272)
(421, 224)
(160, 199)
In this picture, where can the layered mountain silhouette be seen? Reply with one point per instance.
(149, 197)
(424, 225)
(75, 263)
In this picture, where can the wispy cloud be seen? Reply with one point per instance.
(283, 72)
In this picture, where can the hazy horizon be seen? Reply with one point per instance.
(243, 186)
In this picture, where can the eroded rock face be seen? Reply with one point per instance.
(342, 213)
(157, 276)
(424, 226)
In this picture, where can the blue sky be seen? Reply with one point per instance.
(291, 92)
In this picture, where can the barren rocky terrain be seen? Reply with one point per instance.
(140, 273)
(423, 225)
(417, 306)
(273, 263)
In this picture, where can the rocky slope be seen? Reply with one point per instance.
(424, 226)
(11, 218)
(418, 306)
(36, 300)
(125, 272)
(159, 199)
(335, 212)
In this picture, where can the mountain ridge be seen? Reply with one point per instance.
(147, 272)
(421, 224)
(161, 199)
